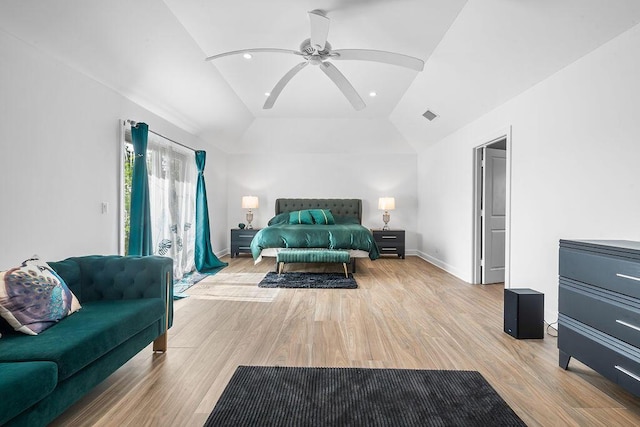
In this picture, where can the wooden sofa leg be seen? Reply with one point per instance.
(160, 343)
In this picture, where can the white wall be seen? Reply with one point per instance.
(348, 159)
(575, 174)
(59, 148)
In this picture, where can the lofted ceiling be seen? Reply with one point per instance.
(477, 53)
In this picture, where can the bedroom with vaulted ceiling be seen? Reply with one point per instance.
(328, 212)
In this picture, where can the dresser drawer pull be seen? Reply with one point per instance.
(395, 237)
(628, 325)
(624, 276)
(245, 235)
(389, 249)
(624, 371)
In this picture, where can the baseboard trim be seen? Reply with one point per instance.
(441, 264)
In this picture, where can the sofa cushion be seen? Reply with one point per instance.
(23, 384)
(78, 340)
(33, 297)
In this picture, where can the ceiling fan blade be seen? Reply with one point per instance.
(273, 95)
(379, 56)
(254, 50)
(343, 84)
(319, 29)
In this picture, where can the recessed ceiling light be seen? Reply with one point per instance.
(267, 94)
(372, 94)
(247, 56)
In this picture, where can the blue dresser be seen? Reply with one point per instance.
(599, 308)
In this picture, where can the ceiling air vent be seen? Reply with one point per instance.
(429, 115)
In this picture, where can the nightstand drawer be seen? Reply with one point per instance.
(241, 240)
(390, 242)
(243, 237)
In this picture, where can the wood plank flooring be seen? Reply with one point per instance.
(405, 314)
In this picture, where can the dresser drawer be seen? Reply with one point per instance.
(614, 273)
(614, 314)
(612, 358)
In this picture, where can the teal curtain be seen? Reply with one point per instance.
(206, 260)
(140, 216)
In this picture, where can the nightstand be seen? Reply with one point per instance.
(241, 240)
(390, 242)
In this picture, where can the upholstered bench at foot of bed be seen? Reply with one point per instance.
(292, 255)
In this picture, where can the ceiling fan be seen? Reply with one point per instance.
(317, 51)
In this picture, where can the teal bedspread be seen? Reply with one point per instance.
(335, 236)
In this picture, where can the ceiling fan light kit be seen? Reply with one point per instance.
(317, 51)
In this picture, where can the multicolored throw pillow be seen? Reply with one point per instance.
(33, 297)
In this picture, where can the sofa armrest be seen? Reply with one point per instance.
(113, 277)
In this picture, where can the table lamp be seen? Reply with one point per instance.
(249, 202)
(386, 204)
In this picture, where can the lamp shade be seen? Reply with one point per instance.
(249, 202)
(386, 203)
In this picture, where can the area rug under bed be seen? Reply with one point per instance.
(288, 396)
(308, 280)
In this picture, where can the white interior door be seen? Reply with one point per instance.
(494, 195)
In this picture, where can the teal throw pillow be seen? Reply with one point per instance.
(300, 217)
(282, 218)
(322, 216)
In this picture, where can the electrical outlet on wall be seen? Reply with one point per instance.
(104, 206)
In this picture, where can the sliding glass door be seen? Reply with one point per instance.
(172, 187)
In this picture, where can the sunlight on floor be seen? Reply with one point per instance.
(232, 287)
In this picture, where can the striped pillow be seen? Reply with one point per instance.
(322, 216)
(300, 217)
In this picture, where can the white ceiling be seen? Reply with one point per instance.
(411, 27)
(478, 54)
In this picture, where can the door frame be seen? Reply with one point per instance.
(476, 276)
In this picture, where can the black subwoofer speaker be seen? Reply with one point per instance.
(524, 313)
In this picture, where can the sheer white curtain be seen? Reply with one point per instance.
(172, 190)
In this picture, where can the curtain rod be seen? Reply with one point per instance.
(134, 123)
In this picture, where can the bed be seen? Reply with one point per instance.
(347, 232)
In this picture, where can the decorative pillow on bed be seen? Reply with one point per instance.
(282, 218)
(322, 216)
(33, 297)
(300, 217)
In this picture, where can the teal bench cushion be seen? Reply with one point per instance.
(291, 255)
(23, 384)
(83, 337)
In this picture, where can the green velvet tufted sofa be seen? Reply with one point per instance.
(127, 303)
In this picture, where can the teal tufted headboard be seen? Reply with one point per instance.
(341, 207)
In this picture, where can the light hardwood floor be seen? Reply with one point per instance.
(405, 314)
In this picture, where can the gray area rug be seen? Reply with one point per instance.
(308, 280)
(287, 396)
